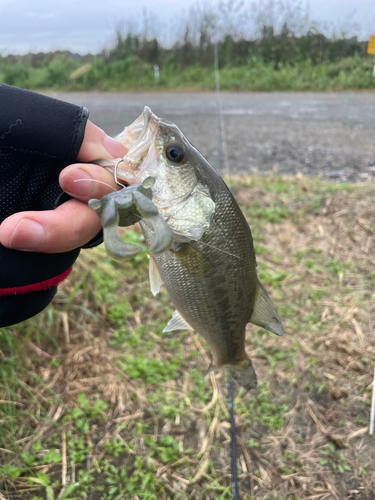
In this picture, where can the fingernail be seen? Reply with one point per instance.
(80, 183)
(114, 148)
(28, 235)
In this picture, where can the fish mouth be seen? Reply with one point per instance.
(184, 203)
(132, 135)
(138, 138)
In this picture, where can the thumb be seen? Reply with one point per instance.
(97, 145)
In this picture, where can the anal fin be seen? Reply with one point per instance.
(155, 278)
(177, 322)
(264, 313)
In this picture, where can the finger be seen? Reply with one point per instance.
(80, 181)
(70, 226)
(97, 145)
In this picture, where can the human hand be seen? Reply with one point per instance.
(73, 223)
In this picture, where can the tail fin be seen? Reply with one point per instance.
(243, 373)
(265, 314)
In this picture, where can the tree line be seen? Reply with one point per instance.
(269, 45)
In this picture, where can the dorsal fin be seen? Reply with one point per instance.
(155, 278)
(264, 313)
(177, 322)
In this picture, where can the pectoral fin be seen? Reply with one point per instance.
(177, 322)
(264, 313)
(195, 261)
(155, 278)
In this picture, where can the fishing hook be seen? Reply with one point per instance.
(120, 160)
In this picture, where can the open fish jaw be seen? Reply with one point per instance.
(135, 132)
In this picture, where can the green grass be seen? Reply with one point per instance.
(97, 402)
(352, 73)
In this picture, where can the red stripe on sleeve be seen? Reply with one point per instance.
(42, 285)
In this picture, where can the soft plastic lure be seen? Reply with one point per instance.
(126, 207)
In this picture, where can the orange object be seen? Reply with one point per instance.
(371, 45)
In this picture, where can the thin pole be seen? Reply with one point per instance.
(372, 415)
(233, 438)
(220, 127)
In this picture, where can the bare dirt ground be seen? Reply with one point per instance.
(328, 134)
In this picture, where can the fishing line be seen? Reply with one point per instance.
(219, 249)
(95, 180)
(220, 128)
(224, 164)
(233, 439)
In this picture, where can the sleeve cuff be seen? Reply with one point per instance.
(38, 124)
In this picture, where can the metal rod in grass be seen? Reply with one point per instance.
(372, 415)
(224, 164)
(233, 439)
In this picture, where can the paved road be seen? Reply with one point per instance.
(328, 133)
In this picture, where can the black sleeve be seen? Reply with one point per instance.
(39, 136)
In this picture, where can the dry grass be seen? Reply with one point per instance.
(305, 435)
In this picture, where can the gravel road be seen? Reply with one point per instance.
(332, 134)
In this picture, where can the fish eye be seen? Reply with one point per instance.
(175, 153)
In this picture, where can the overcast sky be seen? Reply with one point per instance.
(90, 25)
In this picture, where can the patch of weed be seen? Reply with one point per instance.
(164, 448)
(151, 371)
(313, 254)
(318, 294)
(311, 317)
(198, 388)
(268, 214)
(271, 278)
(140, 482)
(335, 267)
(120, 310)
(273, 354)
(115, 447)
(334, 459)
(263, 408)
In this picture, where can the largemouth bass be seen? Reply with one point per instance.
(210, 270)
